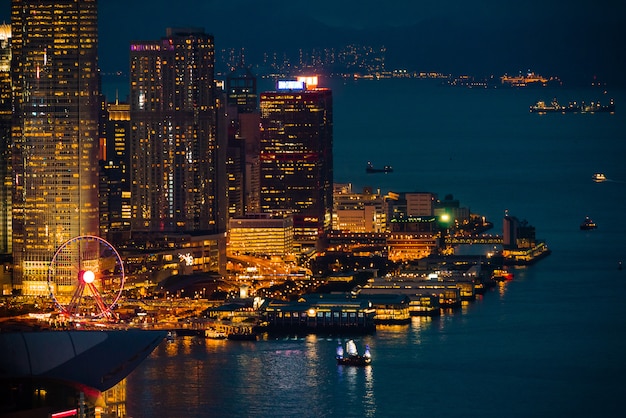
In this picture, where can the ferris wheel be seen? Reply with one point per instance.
(86, 277)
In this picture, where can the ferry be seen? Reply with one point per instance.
(369, 169)
(588, 224)
(352, 356)
(598, 177)
(501, 275)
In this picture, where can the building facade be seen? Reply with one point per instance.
(56, 97)
(6, 111)
(115, 205)
(358, 212)
(174, 152)
(243, 142)
(261, 234)
(297, 159)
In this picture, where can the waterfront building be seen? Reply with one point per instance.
(406, 204)
(296, 157)
(450, 208)
(405, 246)
(319, 313)
(261, 234)
(519, 244)
(390, 308)
(6, 109)
(358, 212)
(56, 102)
(517, 234)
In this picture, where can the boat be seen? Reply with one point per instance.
(215, 334)
(351, 357)
(242, 334)
(598, 177)
(554, 106)
(588, 224)
(370, 169)
(542, 107)
(501, 275)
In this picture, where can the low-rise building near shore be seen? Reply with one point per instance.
(319, 313)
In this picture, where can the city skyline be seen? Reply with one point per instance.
(576, 40)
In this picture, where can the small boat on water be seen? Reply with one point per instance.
(215, 334)
(588, 224)
(351, 356)
(598, 177)
(501, 275)
(370, 169)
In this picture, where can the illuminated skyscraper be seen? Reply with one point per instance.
(243, 142)
(5, 139)
(297, 157)
(115, 174)
(174, 161)
(55, 131)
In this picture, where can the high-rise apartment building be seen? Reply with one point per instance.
(174, 152)
(55, 131)
(297, 157)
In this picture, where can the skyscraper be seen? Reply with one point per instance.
(55, 131)
(297, 157)
(174, 167)
(5, 140)
(243, 142)
(114, 173)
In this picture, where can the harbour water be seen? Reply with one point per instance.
(550, 343)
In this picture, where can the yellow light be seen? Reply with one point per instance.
(311, 312)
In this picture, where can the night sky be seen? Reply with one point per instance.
(574, 39)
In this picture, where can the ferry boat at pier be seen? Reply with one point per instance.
(501, 275)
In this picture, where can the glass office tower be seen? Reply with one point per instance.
(297, 158)
(55, 131)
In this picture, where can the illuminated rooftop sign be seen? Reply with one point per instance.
(290, 85)
(309, 81)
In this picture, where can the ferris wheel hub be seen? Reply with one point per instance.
(88, 276)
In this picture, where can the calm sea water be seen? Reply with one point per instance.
(550, 343)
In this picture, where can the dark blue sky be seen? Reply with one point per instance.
(572, 38)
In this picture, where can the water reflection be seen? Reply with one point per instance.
(357, 388)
